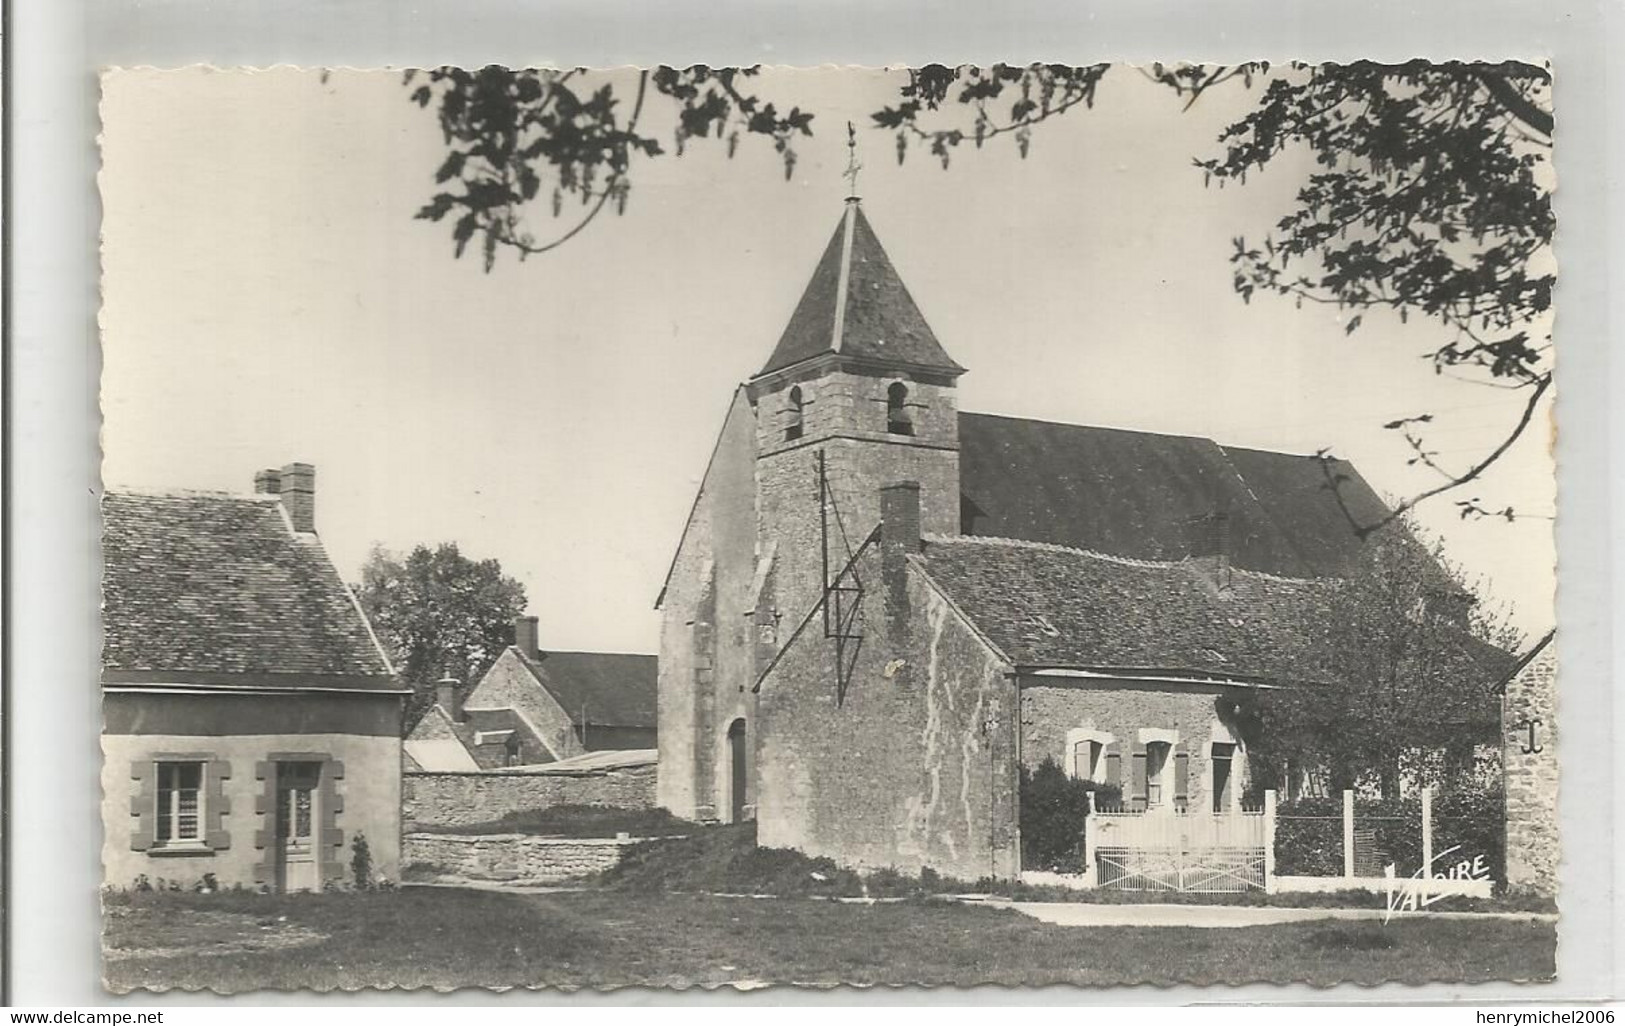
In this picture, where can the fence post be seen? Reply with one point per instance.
(1269, 841)
(1427, 833)
(1089, 836)
(1348, 833)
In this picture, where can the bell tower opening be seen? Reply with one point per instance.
(898, 419)
(794, 415)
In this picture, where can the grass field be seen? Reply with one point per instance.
(446, 938)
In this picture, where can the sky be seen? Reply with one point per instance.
(269, 297)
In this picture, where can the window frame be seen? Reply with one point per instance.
(169, 820)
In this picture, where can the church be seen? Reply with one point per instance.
(882, 608)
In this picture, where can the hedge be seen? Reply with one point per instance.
(1309, 834)
(1053, 813)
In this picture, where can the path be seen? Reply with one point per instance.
(1068, 913)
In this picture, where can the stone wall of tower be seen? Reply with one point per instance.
(707, 632)
(844, 418)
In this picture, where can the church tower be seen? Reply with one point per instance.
(857, 395)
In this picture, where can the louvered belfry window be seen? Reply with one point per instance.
(180, 803)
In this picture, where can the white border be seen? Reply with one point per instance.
(58, 44)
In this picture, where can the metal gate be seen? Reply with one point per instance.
(1201, 853)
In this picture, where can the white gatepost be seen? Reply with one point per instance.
(1427, 833)
(1089, 837)
(1269, 841)
(1348, 834)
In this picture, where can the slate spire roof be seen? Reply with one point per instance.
(857, 305)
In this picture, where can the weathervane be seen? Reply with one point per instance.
(852, 165)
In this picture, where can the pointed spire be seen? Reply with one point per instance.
(857, 305)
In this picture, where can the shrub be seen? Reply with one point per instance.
(1309, 837)
(361, 862)
(1309, 834)
(1054, 808)
(1474, 822)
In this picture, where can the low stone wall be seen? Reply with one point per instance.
(462, 799)
(514, 858)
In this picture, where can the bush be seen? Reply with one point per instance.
(1474, 822)
(361, 862)
(1309, 837)
(1309, 834)
(1054, 809)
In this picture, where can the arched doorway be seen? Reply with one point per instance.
(737, 754)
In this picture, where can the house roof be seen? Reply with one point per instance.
(1149, 496)
(600, 689)
(216, 589)
(1049, 606)
(440, 755)
(857, 305)
(1517, 666)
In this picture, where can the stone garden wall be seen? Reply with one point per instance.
(512, 858)
(462, 799)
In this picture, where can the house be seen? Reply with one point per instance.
(251, 720)
(881, 608)
(1528, 695)
(534, 707)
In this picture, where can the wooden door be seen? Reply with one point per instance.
(736, 748)
(298, 826)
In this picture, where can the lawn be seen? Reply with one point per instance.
(446, 938)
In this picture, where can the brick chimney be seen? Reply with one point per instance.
(899, 536)
(448, 694)
(1210, 545)
(524, 636)
(268, 482)
(297, 486)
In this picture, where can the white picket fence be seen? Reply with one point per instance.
(1188, 852)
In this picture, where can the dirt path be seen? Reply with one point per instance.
(1081, 914)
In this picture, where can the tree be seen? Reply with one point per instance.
(1409, 651)
(1429, 198)
(438, 612)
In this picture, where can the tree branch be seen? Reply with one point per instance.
(1516, 103)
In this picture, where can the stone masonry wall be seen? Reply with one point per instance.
(1051, 707)
(1531, 778)
(513, 858)
(706, 631)
(460, 799)
(915, 768)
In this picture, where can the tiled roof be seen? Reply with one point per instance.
(1150, 496)
(1046, 606)
(214, 588)
(1051, 606)
(878, 319)
(613, 689)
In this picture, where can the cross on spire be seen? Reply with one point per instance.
(852, 165)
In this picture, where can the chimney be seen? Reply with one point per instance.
(900, 516)
(268, 482)
(1210, 545)
(297, 486)
(899, 535)
(524, 636)
(448, 695)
